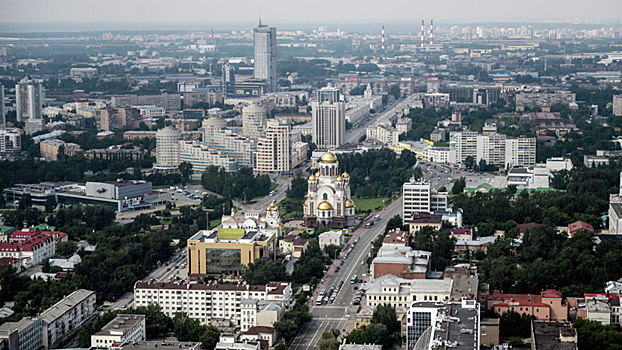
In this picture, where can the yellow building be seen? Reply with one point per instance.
(227, 250)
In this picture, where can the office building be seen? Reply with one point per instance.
(273, 150)
(10, 141)
(264, 39)
(328, 119)
(30, 96)
(65, 318)
(254, 121)
(454, 325)
(227, 83)
(27, 334)
(329, 202)
(617, 105)
(167, 149)
(2, 108)
(122, 329)
(402, 292)
(420, 197)
(212, 303)
(227, 250)
(216, 136)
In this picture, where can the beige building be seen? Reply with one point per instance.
(400, 292)
(273, 150)
(383, 133)
(67, 316)
(254, 121)
(228, 250)
(122, 329)
(216, 136)
(328, 118)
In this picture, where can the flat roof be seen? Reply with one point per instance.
(120, 325)
(62, 307)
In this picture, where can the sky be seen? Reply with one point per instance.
(298, 11)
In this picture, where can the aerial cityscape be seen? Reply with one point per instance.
(251, 176)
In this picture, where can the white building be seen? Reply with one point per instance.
(151, 111)
(495, 149)
(400, 292)
(464, 144)
(328, 119)
(403, 125)
(31, 251)
(10, 141)
(383, 133)
(617, 105)
(65, 318)
(331, 237)
(264, 39)
(254, 121)
(441, 155)
(259, 313)
(30, 96)
(357, 111)
(520, 151)
(83, 72)
(201, 157)
(273, 150)
(2, 108)
(26, 334)
(260, 333)
(228, 342)
(167, 149)
(122, 329)
(420, 197)
(299, 153)
(211, 303)
(491, 148)
(217, 136)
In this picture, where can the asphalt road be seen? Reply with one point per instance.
(341, 314)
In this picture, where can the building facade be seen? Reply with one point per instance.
(30, 96)
(63, 319)
(254, 121)
(122, 329)
(26, 334)
(273, 150)
(328, 200)
(167, 149)
(239, 147)
(264, 39)
(328, 119)
(227, 82)
(420, 197)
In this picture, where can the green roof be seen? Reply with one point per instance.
(6, 230)
(230, 233)
(43, 227)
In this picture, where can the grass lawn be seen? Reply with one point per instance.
(453, 180)
(373, 204)
(214, 223)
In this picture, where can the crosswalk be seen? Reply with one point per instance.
(329, 318)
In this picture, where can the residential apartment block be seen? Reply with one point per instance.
(65, 318)
(420, 197)
(273, 150)
(383, 133)
(328, 115)
(26, 334)
(495, 149)
(121, 330)
(402, 292)
(239, 147)
(170, 102)
(213, 303)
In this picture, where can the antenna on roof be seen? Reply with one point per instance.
(260, 20)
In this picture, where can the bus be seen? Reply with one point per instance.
(377, 217)
(319, 300)
(354, 279)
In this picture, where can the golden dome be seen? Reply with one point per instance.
(272, 206)
(312, 177)
(324, 205)
(306, 203)
(281, 227)
(317, 174)
(339, 179)
(345, 175)
(349, 203)
(328, 157)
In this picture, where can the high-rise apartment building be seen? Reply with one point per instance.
(520, 152)
(227, 84)
(30, 96)
(217, 137)
(464, 143)
(10, 141)
(107, 119)
(273, 150)
(617, 105)
(328, 119)
(254, 121)
(2, 109)
(495, 149)
(491, 148)
(264, 39)
(167, 149)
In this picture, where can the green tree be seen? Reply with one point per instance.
(185, 169)
(210, 337)
(358, 336)
(288, 329)
(332, 250)
(385, 315)
(66, 249)
(50, 204)
(513, 324)
(595, 335)
(329, 341)
(459, 186)
(24, 202)
(438, 242)
(377, 334)
(263, 271)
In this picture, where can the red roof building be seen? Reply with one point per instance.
(578, 226)
(549, 305)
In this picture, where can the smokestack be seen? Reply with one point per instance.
(431, 32)
(422, 31)
(383, 37)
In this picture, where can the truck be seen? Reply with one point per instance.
(319, 300)
(377, 217)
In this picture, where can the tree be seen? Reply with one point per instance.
(185, 169)
(438, 242)
(288, 329)
(24, 202)
(469, 162)
(358, 336)
(385, 315)
(377, 334)
(66, 249)
(329, 340)
(264, 270)
(332, 250)
(513, 324)
(210, 337)
(459, 186)
(595, 335)
(50, 204)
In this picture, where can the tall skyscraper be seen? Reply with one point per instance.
(273, 150)
(254, 121)
(2, 110)
(328, 119)
(264, 38)
(227, 84)
(30, 96)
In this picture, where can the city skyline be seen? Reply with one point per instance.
(348, 11)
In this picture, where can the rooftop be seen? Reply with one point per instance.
(121, 325)
(158, 345)
(554, 336)
(65, 305)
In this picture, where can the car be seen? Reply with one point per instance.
(356, 287)
(341, 263)
(124, 306)
(336, 269)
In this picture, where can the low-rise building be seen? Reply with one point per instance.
(549, 305)
(228, 342)
(63, 319)
(260, 333)
(331, 237)
(480, 243)
(31, 251)
(420, 220)
(383, 133)
(122, 329)
(403, 263)
(552, 336)
(402, 292)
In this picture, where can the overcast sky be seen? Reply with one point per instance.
(292, 11)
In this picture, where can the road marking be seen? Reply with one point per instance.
(328, 307)
(330, 318)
